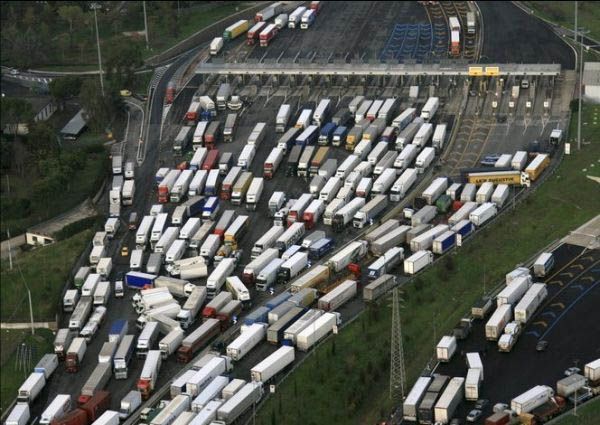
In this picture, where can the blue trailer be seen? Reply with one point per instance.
(138, 280)
(320, 248)
(444, 242)
(194, 205)
(118, 330)
(463, 228)
(339, 136)
(327, 133)
(210, 208)
(308, 136)
(279, 299)
(260, 315)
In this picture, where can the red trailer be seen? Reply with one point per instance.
(170, 93)
(197, 340)
(267, 35)
(253, 33)
(212, 160)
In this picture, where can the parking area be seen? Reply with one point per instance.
(567, 319)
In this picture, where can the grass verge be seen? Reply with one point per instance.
(12, 370)
(587, 414)
(563, 13)
(44, 270)
(347, 379)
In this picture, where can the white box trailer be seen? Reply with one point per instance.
(337, 297)
(197, 184)
(59, 407)
(519, 160)
(517, 273)
(474, 362)
(418, 261)
(430, 108)
(232, 388)
(266, 241)
(377, 153)
(372, 209)
(403, 184)
(570, 385)
(19, 415)
(435, 189)
(592, 371)
(247, 340)
(472, 383)
(331, 188)
(449, 400)
(543, 264)
(283, 117)
(384, 182)
(424, 159)
(190, 228)
(312, 334)
(530, 302)
(389, 240)
(104, 266)
(96, 254)
(483, 213)
(468, 193)
(463, 213)
(253, 269)
(176, 250)
(425, 240)
(423, 216)
(386, 161)
(531, 399)
(216, 366)
(101, 293)
(423, 135)
(210, 246)
(216, 279)
(169, 344)
(410, 407)
(497, 322)
(446, 348)
(233, 408)
(166, 240)
(504, 161)
(484, 193)
(347, 166)
(212, 391)
(31, 388)
(273, 364)
(351, 252)
(406, 157)
(439, 136)
(513, 292)
(306, 320)
(254, 192)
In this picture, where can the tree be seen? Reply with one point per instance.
(41, 140)
(123, 56)
(100, 110)
(73, 15)
(15, 111)
(168, 17)
(64, 88)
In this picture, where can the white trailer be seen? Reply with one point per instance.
(169, 344)
(532, 299)
(234, 407)
(59, 407)
(266, 241)
(253, 269)
(176, 250)
(410, 408)
(141, 235)
(212, 391)
(332, 208)
(282, 118)
(423, 135)
(472, 383)
(384, 182)
(446, 348)
(246, 157)
(468, 193)
(19, 415)
(430, 108)
(166, 240)
(31, 388)
(330, 189)
(321, 327)
(418, 261)
(247, 340)
(347, 166)
(254, 192)
(519, 160)
(543, 264)
(451, 397)
(531, 399)
(497, 322)
(424, 159)
(273, 364)
(101, 293)
(484, 193)
(513, 292)
(403, 184)
(435, 189)
(369, 211)
(406, 156)
(351, 252)
(180, 188)
(338, 296)
(216, 279)
(425, 240)
(439, 136)
(483, 213)
(462, 213)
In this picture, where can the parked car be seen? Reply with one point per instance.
(572, 371)
(474, 415)
(541, 345)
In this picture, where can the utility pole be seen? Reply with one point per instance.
(397, 371)
(95, 7)
(575, 30)
(580, 91)
(146, 25)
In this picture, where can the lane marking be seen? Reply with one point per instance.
(561, 305)
(541, 323)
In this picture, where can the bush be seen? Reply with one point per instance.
(77, 227)
(15, 208)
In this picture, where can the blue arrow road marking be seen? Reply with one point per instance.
(569, 308)
(549, 313)
(534, 333)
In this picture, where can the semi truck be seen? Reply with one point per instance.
(531, 399)
(495, 325)
(216, 279)
(430, 108)
(198, 339)
(247, 340)
(254, 192)
(387, 262)
(418, 261)
(317, 330)
(96, 382)
(31, 388)
(149, 375)
(273, 364)
(370, 211)
(282, 118)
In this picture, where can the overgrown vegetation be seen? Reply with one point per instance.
(347, 379)
(13, 370)
(59, 34)
(563, 13)
(587, 414)
(44, 271)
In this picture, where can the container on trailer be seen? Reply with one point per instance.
(199, 338)
(424, 215)
(446, 348)
(495, 325)
(417, 262)
(513, 292)
(430, 108)
(439, 136)
(312, 334)
(531, 399)
(425, 240)
(233, 408)
(247, 340)
(444, 242)
(212, 391)
(537, 166)
(483, 213)
(338, 296)
(592, 371)
(273, 364)
(449, 400)
(414, 398)
(378, 287)
(472, 383)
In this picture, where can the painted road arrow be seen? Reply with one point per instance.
(577, 287)
(561, 305)
(590, 278)
(549, 313)
(568, 274)
(534, 333)
(541, 322)
(577, 266)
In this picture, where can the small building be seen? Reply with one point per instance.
(74, 127)
(591, 81)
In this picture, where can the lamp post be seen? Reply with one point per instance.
(146, 24)
(94, 7)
